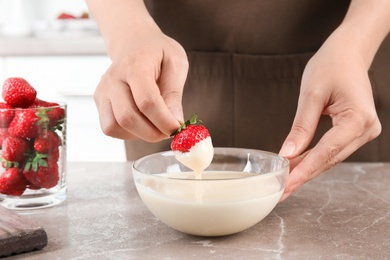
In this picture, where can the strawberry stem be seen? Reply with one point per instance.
(34, 161)
(193, 121)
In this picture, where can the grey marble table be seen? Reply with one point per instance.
(343, 214)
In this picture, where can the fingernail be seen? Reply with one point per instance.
(288, 149)
(295, 187)
(292, 189)
(284, 196)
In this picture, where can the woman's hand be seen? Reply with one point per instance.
(335, 83)
(140, 94)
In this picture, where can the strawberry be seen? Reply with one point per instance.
(7, 113)
(39, 103)
(54, 155)
(12, 182)
(56, 116)
(24, 124)
(189, 134)
(32, 186)
(3, 135)
(17, 92)
(46, 142)
(65, 16)
(42, 172)
(14, 149)
(54, 112)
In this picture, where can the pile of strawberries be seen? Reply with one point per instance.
(28, 138)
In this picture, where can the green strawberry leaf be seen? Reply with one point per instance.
(193, 121)
(42, 162)
(27, 166)
(34, 166)
(35, 160)
(42, 115)
(9, 164)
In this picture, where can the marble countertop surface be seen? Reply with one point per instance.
(43, 46)
(343, 214)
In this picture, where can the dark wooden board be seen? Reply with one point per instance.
(18, 234)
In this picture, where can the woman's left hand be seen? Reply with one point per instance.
(335, 83)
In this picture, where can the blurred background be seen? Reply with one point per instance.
(44, 17)
(56, 46)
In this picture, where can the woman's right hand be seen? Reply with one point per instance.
(140, 94)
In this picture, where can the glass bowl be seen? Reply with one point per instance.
(239, 189)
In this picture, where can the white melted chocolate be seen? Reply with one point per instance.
(199, 157)
(221, 203)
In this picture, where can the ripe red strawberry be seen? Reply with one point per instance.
(32, 186)
(44, 174)
(3, 135)
(188, 135)
(54, 112)
(24, 124)
(54, 155)
(65, 16)
(14, 149)
(7, 113)
(46, 141)
(39, 103)
(18, 92)
(12, 182)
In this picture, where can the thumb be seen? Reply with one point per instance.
(172, 79)
(173, 100)
(303, 128)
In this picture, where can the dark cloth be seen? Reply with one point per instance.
(246, 62)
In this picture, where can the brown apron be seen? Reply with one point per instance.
(246, 61)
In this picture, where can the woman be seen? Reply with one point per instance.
(251, 69)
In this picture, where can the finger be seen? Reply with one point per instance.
(129, 118)
(305, 123)
(335, 146)
(327, 153)
(108, 122)
(173, 76)
(117, 119)
(149, 102)
(293, 163)
(297, 160)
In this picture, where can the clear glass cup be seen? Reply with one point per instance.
(33, 156)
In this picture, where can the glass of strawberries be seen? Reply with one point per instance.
(33, 148)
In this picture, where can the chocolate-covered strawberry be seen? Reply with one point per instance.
(192, 145)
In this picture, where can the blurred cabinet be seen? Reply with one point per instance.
(71, 79)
